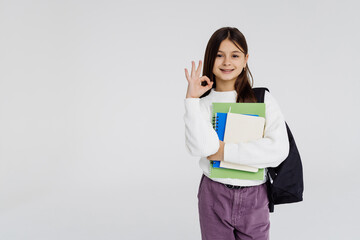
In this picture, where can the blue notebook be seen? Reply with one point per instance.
(220, 123)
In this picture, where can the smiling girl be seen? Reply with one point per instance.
(230, 208)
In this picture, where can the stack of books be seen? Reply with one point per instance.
(235, 123)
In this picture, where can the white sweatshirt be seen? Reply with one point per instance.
(201, 140)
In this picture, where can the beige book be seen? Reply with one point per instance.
(242, 128)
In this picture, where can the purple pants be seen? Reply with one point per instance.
(231, 214)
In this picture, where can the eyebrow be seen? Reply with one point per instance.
(232, 51)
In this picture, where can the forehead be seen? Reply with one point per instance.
(229, 46)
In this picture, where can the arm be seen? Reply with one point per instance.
(200, 137)
(268, 151)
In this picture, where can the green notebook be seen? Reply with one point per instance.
(243, 108)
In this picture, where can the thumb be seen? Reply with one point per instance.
(210, 85)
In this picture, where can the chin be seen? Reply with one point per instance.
(227, 78)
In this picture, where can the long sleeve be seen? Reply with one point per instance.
(201, 139)
(269, 151)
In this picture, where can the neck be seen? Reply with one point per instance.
(224, 86)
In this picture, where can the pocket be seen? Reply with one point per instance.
(201, 185)
(261, 198)
(263, 195)
(266, 197)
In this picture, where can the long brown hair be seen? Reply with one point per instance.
(243, 86)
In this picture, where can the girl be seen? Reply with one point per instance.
(230, 208)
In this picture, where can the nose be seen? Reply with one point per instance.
(226, 61)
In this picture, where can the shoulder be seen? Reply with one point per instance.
(272, 105)
(269, 98)
(207, 100)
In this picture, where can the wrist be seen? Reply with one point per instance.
(188, 96)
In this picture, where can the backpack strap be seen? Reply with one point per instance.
(260, 96)
(260, 93)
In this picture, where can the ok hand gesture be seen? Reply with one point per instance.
(195, 88)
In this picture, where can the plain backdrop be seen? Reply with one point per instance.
(92, 142)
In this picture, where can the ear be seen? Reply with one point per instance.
(246, 59)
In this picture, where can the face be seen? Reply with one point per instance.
(229, 62)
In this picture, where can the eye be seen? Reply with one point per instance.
(219, 55)
(236, 56)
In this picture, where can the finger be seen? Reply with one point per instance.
(206, 79)
(192, 68)
(198, 70)
(187, 75)
(211, 84)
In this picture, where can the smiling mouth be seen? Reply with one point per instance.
(227, 71)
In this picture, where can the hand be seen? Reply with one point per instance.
(195, 88)
(219, 156)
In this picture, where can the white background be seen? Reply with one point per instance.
(92, 93)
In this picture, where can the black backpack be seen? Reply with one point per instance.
(285, 184)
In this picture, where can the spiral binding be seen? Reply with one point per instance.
(215, 122)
